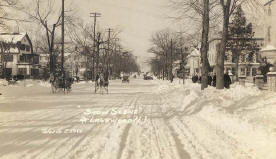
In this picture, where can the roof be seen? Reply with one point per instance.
(269, 2)
(12, 37)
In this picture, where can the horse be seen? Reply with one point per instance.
(101, 83)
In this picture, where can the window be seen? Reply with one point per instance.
(254, 71)
(22, 47)
(242, 58)
(34, 72)
(8, 57)
(248, 71)
(242, 71)
(250, 57)
(8, 71)
(36, 59)
(269, 34)
(22, 71)
(27, 48)
(25, 58)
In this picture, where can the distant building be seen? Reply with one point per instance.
(193, 63)
(75, 64)
(269, 49)
(17, 56)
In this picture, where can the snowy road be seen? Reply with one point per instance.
(140, 120)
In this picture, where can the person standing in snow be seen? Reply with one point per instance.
(227, 80)
(195, 78)
(214, 80)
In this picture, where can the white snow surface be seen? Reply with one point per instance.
(179, 121)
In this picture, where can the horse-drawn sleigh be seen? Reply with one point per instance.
(61, 84)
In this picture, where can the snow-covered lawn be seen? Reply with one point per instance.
(140, 120)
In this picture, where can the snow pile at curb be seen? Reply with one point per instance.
(191, 92)
(166, 86)
(3, 82)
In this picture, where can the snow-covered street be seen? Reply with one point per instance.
(140, 120)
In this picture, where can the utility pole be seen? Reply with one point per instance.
(62, 45)
(95, 15)
(98, 43)
(108, 49)
(171, 74)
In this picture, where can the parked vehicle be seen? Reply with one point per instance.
(147, 77)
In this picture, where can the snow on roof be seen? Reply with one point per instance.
(268, 48)
(12, 37)
(177, 61)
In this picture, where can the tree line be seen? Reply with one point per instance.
(222, 19)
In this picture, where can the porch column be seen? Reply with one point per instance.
(271, 81)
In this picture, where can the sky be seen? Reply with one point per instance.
(137, 19)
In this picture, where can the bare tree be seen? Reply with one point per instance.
(5, 16)
(48, 16)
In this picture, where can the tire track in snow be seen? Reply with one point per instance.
(126, 131)
(97, 127)
(188, 142)
(124, 138)
(123, 141)
(61, 145)
(178, 145)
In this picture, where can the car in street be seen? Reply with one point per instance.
(148, 77)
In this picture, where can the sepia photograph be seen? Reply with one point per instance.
(137, 79)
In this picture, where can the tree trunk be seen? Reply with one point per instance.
(222, 49)
(204, 46)
(237, 64)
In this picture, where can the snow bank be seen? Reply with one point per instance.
(244, 113)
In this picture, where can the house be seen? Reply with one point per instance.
(17, 56)
(269, 49)
(248, 65)
(44, 59)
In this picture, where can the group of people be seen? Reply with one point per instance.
(212, 80)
